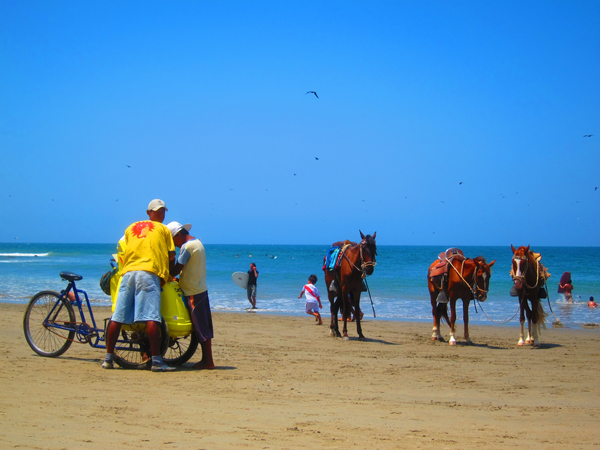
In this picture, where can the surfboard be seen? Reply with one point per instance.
(240, 278)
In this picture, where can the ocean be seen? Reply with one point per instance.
(398, 285)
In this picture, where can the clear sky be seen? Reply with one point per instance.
(437, 123)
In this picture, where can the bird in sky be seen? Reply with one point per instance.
(585, 135)
(312, 92)
(460, 182)
(596, 188)
(129, 167)
(316, 158)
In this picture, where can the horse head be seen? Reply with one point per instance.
(483, 273)
(368, 251)
(520, 263)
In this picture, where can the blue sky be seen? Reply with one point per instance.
(206, 102)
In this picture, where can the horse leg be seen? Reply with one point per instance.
(452, 321)
(466, 320)
(358, 315)
(345, 314)
(529, 339)
(436, 336)
(437, 315)
(522, 319)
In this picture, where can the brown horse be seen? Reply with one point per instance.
(358, 261)
(529, 276)
(468, 279)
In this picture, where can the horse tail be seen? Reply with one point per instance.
(443, 312)
(541, 323)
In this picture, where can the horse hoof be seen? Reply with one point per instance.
(331, 333)
(452, 342)
(521, 343)
(346, 338)
(362, 338)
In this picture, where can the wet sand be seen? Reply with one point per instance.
(281, 382)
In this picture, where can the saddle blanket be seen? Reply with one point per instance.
(332, 259)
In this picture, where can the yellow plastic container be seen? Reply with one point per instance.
(172, 308)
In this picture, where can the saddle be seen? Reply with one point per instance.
(438, 274)
(332, 260)
(441, 268)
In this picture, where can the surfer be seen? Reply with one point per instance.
(313, 300)
(592, 303)
(251, 289)
(565, 286)
(191, 264)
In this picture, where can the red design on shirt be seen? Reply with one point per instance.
(141, 229)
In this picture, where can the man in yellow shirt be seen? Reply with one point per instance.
(145, 269)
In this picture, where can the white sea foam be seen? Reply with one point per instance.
(31, 255)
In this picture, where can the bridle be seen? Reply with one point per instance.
(364, 265)
(475, 290)
(521, 278)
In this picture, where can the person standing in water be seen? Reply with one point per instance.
(565, 286)
(253, 275)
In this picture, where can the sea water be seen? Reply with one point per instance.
(398, 285)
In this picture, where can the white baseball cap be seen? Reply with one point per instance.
(156, 204)
(176, 227)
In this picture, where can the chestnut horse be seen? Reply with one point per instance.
(529, 276)
(358, 261)
(467, 279)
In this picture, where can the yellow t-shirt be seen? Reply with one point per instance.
(148, 247)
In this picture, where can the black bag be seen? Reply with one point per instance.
(105, 280)
(542, 293)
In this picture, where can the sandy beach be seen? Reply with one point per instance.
(282, 383)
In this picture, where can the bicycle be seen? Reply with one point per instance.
(50, 328)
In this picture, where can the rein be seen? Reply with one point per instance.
(522, 277)
(474, 289)
(364, 264)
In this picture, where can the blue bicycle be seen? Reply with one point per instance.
(51, 326)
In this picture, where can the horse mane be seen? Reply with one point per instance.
(480, 259)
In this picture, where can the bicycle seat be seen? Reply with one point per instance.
(70, 276)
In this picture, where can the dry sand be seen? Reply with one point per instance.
(281, 382)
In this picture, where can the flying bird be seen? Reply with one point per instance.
(585, 135)
(460, 182)
(129, 167)
(316, 158)
(312, 92)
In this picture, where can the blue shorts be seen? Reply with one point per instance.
(138, 299)
(251, 291)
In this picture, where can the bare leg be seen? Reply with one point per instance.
(112, 334)
(153, 330)
(206, 363)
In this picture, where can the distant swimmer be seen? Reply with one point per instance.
(592, 303)
(312, 92)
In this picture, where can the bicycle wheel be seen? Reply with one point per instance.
(134, 352)
(180, 349)
(41, 329)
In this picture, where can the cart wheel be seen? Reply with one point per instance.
(180, 349)
(41, 328)
(133, 352)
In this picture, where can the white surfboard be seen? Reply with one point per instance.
(240, 278)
